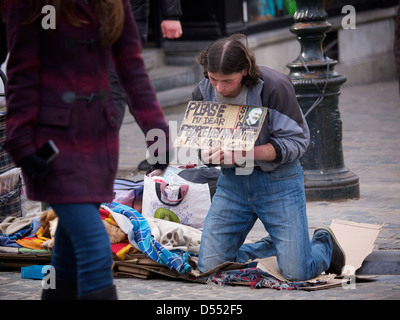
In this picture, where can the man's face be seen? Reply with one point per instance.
(227, 85)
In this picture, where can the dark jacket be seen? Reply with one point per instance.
(170, 9)
(58, 88)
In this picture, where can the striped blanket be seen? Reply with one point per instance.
(141, 236)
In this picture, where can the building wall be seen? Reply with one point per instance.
(365, 54)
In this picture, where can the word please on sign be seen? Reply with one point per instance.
(210, 124)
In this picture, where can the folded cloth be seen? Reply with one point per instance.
(122, 249)
(8, 249)
(35, 242)
(7, 242)
(175, 236)
(175, 260)
(34, 227)
(34, 251)
(11, 225)
(28, 231)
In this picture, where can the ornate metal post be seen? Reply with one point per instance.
(317, 88)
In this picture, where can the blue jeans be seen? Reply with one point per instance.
(82, 249)
(277, 198)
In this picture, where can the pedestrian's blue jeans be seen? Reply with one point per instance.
(277, 198)
(82, 249)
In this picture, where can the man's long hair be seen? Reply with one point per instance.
(230, 55)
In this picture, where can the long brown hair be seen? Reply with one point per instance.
(230, 55)
(110, 14)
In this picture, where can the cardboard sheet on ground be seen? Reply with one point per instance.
(357, 241)
(210, 124)
(270, 265)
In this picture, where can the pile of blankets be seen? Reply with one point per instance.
(170, 244)
(15, 229)
(26, 233)
(140, 236)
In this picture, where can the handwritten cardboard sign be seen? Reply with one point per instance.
(209, 124)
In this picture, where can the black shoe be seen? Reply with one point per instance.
(338, 259)
(144, 165)
(65, 289)
(108, 293)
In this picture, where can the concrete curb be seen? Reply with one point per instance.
(381, 262)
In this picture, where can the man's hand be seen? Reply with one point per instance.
(171, 29)
(217, 156)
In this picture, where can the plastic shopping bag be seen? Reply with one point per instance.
(178, 200)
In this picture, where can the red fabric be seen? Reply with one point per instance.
(119, 249)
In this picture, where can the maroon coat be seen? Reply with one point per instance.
(58, 88)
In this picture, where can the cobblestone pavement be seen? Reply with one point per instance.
(12, 287)
(371, 147)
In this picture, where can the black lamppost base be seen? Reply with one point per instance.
(333, 185)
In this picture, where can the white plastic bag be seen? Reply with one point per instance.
(187, 202)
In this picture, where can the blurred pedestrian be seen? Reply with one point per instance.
(273, 191)
(58, 88)
(171, 29)
(170, 14)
